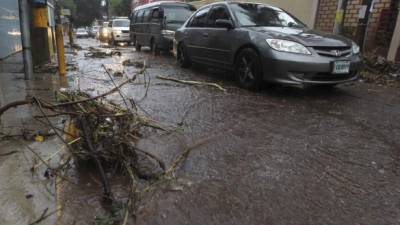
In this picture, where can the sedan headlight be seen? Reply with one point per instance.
(356, 48)
(117, 31)
(168, 33)
(288, 46)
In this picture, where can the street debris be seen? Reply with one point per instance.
(116, 70)
(137, 64)
(101, 133)
(72, 67)
(46, 68)
(76, 46)
(196, 83)
(380, 71)
(97, 53)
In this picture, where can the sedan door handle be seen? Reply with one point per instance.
(205, 34)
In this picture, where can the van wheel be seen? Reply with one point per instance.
(154, 49)
(248, 70)
(182, 57)
(138, 47)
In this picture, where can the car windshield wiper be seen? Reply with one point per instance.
(255, 25)
(174, 21)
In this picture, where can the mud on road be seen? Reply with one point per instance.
(282, 156)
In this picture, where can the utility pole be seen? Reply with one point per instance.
(25, 38)
(60, 42)
(363, 24)
(340, 15)
(107, 8)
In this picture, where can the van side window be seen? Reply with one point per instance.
(135, 17)
(155, 15)
(217, 13)
(200, 19)
(146, 15)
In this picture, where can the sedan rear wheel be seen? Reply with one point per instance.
(248, 69)
(154, 48)
(182, 57)
(138, 47)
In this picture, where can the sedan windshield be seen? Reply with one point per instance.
(177, 14)
(256, 15)
(121, 23)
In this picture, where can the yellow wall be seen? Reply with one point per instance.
(305, 10)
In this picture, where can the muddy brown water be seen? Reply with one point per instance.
(278, 157)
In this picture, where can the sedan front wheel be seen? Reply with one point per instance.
(248, 69)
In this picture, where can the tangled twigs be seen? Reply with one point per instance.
(32, 100)
(118, 88)
(102, 133)
(99, 96)
(88, 139)
(190, 82)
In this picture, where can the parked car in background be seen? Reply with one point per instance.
(82, 33)
(265, 43)
(155, 24)
(119, 30)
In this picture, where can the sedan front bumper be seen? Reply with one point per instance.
(291, 68)
(122, 37)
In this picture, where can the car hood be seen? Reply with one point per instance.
(305, 36)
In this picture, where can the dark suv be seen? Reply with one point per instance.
(265, 43)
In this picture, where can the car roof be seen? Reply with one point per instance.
(239, 2)
(161, 3)
(119, 19)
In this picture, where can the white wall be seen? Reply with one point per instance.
(305, 10)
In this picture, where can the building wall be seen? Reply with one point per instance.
(10, 35)
(378, 22)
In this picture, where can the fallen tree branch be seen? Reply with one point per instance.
(190, 82)
(44, 216)
(15, 105)
(8, 153)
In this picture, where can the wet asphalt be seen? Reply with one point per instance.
(282, 156)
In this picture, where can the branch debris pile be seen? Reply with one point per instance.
(104, 133)
(380, 71)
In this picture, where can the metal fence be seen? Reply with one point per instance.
(10, 35)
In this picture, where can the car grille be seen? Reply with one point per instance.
(333, 51)
(125, 31)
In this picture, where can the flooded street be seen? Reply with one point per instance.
(285, 155)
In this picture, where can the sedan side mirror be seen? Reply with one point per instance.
(224, 24)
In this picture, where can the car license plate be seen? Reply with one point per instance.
(341, 67)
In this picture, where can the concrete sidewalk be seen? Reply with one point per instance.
(24, 195)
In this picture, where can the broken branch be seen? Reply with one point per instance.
(190, 82)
